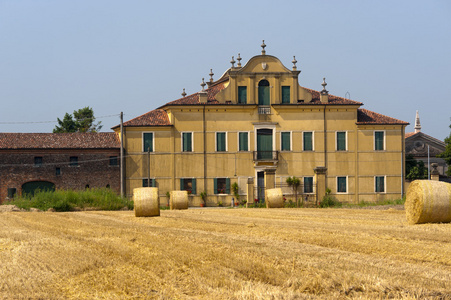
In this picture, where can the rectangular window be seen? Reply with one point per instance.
(147, 142)
(221, 141)
(57, 171)
(308, 141)
(341, 184)
(242, 95)
(114, 161)
(38, 161)
(222, 185)
(285, 141)
(73, 161)
(188, 184)
(187, 141)
(285, 94)
(308, 185)
(243, 140)
(11, 192)
(378, 140)
(380, 184)
(341, 141)
(146, 182)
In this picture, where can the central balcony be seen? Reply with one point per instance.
(264, 110)
(270, 156)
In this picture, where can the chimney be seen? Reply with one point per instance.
(203, 95)
(324, 96)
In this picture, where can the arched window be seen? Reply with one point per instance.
(263, 92)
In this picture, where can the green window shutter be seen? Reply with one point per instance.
(215, 182)
(243, 137)
(182, 184)
(341, 141)
(184, 141)
(154, 184)
(147, 141)
(187, 142)
(308, 145)
(227, 186)
(379, 140)
(242, 94)
(285, 94)
(285, 141)
(308, 184)
(193, 185)
(380, 188)
(220, 141)
(341, 182)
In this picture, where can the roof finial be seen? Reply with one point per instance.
(211, 75)
(239, 60)
(294, 61)
(233, 62)
(324, 91)
(417, 123)
(263, 48)
(183, 94)
(203, 84)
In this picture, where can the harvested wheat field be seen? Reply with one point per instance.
(224, 254)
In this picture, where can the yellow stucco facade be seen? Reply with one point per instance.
(255, 118)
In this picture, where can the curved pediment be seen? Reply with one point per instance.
(264, 64)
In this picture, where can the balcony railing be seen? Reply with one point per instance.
(266, 155)
(264, 110)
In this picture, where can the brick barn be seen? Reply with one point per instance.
(30, 161)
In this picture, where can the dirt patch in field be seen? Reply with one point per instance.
(9, 208)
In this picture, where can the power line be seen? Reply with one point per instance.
(42, 122)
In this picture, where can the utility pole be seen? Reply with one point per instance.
(122, 155)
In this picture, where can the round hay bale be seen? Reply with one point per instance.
(178, 200)
(146, 202)
(274, 198)
(428, 202)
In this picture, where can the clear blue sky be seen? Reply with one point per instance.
(58, 56)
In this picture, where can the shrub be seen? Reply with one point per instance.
(329, 200)
(68, 200)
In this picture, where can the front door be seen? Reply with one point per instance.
(263, 92)
(261, 186)
(264, 143)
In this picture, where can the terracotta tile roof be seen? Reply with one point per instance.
(101, 140)
(157, 117)
(409, 134)
(194, 98)
(415, 135)
(365, 116)
(334, 100)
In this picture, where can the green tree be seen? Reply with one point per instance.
(294, 183)
(446, 155)
(415, 169)
(82, 121)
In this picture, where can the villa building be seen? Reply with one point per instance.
(257, 126)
